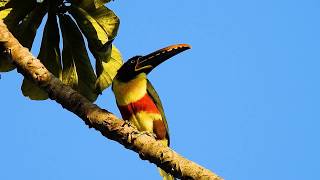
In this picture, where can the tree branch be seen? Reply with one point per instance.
(108, 124)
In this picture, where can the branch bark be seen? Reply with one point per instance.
(108, 124)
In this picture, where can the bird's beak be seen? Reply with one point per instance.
(152, 60)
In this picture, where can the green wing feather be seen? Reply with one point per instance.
(154, 95)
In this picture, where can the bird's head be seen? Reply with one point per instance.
(144, 64)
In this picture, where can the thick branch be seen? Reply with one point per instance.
(108, 124)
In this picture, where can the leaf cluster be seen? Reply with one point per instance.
(69, 21)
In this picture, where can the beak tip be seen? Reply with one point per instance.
(187, 46)
(177, 47)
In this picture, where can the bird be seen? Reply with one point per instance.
(136, 98)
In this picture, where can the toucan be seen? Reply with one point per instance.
(136, 98)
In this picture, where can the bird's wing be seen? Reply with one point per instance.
(155, 97)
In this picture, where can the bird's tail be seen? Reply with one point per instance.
(166, 176)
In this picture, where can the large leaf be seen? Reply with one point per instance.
(5, 12)
(3, 2)
(77, 70)
(27, 29)
(90, 4)
(14, 13)
(94, 33)
(19, 10)
(29, 89)
(107, 68)
(107, 20)
(5, 65)
(99, 25)
(99, 3)
(96, 28)
(49, 55)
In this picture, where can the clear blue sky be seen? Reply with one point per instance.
(244, 101)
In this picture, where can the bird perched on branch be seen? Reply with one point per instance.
(136, 98)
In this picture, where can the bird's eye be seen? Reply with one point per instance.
(132, 61)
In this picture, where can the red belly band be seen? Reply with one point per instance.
(145, 104)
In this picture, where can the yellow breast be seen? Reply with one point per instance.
(131, 91)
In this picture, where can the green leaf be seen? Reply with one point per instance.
(49, 55)
(14, 11)
(96, 25)
(77, 70)
(107, 67)
(4, 13)
(31, 90)
(27, 29)
(5, 64)
(99, 3)
(19, 10)
(107, 20)
(94, 33)
(3, 3)
(89, 4)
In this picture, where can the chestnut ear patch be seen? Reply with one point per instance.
(159, 129)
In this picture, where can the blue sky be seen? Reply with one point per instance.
(243, 102)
